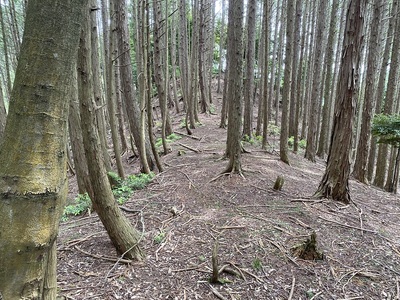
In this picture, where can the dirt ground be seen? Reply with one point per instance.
(188, 208)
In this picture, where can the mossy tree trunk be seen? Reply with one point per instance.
(121, 232)
(335, 182)
(33, 182)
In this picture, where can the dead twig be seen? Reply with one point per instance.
(283, 252)
(302, 224)
(216, 293)
(188, 178)
(188, 269)
(292, 289)
(231, 227)
(315, 296)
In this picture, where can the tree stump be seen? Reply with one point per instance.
(308, 249)
(280, 180)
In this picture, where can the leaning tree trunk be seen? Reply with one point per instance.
(335, 182)
(123, 236)
(33, 156)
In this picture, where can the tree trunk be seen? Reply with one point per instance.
(33, 182)
(221, 44)
(5, 49)
(294, 102)
(379, 95)
(287, 82)
(235, 54)
(131, 103)
(381, 168)
(75, 137)
(97, 90)
(328, 86)
(360, 166)
(161, 64)
(3, 114)
(265, 102)
(335, 182)
(249, 77)
(316, 83)
(123, 236)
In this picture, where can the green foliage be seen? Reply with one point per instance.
(387, 129)
(171, 138)
(124, 190)
(160, 237)
(257, 265)
(273, 130)
(82, 203)
(121, 188)
(254, 140)
(302, 143)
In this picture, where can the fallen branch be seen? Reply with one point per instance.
(189, 148)
(348, 226)
(126, 261)
(189, 136)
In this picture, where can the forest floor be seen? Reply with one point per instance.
(256, 228)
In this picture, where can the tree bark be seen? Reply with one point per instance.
(131, 103)
(316, 83)
(381, 168)
(335, 182)
(33, 182)
(328, 84)
(360, 166)
(379, 95)
(123, 236)
(235, 54)
(287, 82)
(249, 77)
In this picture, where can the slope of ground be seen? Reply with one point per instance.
(189, 207)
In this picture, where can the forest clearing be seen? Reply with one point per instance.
(184, 211)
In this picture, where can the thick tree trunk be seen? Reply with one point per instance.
(33, 182)
(335, 182)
